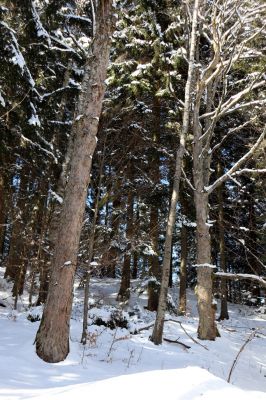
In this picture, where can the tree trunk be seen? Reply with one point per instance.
(154, 269)
(2, 213)
(124, 291)
(159, 323)
(182, 307)
(52, 339)
(224, 309)
(207, 328)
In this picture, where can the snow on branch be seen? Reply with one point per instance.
(250, 171)
(232, 104)
(38, 146)
(41, 31)
(251, 277)
(17, 57)
(238, 164)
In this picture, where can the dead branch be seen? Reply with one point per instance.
(194, 340)
(178, 342)
(251, 336)
(177, 322)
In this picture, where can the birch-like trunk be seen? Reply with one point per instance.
(52, 339)
(159, 323)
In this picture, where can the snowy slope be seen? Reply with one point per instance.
(115, 362)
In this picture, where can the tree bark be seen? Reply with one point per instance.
(182, 307)
(154, 269)
(224, 309)
(52, 339)
(124, 291)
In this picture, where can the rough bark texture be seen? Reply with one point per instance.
(159, 323)
(206, 308)
(52, 339)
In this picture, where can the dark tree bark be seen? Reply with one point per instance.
(52, 339)
(124, 291)
(182, 306)
(154, 270)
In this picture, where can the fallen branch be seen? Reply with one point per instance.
(177, 341)
(251, 336)
(194, 340)
(177, 322)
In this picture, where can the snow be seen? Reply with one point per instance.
(2, 101)
(117, 364)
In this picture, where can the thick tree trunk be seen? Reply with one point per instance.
(52, 339)
(207, 328)
(159, 323)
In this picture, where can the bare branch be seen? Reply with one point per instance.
(238, 164)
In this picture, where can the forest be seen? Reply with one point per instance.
(132, 197)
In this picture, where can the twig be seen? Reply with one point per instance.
(251, 336)
(177, 341)
(113, 342)
(177, 322)
(194, 340)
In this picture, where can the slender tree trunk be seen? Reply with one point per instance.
(52, 339)
(2, 213)
(112, 255)
(224, 309)
(124, 291)
(135, 266)
(182, 306)
(159, 323)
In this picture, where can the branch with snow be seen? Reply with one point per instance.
(17, 56)
(255, 278)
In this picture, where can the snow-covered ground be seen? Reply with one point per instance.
(118, 364)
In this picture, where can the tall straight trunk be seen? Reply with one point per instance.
(124, 291)
(159, 323)
(224, 308)
(52, 339)
(135, 266)
(182, 306)
(154, 270)
(2, 212)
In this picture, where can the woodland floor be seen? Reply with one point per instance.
(117, 364)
